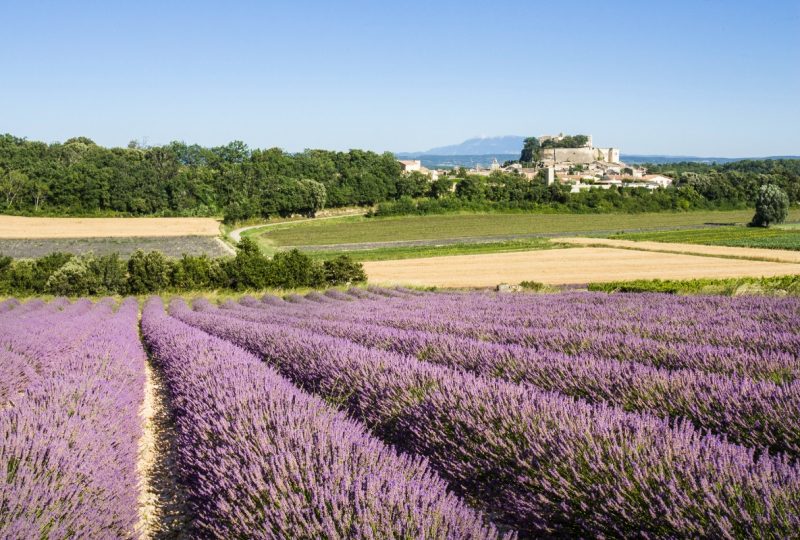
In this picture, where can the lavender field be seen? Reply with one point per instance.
(391, 413)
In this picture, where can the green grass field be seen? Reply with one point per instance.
(412, 252)
(772, 238)
(366, 230)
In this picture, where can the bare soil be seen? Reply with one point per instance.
(162, 508)
(565, 266)
(35, 227)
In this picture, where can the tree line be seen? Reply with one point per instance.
(735, 186)
(152, 272)
(736, 182)
(79, 177)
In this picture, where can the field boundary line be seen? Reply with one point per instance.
(703, 250)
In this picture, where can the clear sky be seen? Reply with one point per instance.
(713, 78)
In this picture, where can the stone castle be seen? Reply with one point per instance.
(583, 155)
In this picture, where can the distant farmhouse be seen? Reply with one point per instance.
(415, 165)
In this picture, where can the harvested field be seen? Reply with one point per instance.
(565, 266)
(780, 255)
(35, 227)
(173, 246)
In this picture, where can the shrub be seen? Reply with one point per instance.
(152, 272)
(75, 278)
(192, 272)
(111, 274)
(292, 269)
(148, 272)
(343, 270)
(533, 286)
(249, 269)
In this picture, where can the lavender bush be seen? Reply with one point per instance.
(542, 462)
(767, 350)
(70, 440)
(260, 458)
(755, 413)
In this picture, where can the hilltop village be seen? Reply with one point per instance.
(565, 159)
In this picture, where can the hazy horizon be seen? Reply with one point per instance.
(690, 78)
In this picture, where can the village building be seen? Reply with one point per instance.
(410, 165)
(583, 168)
(415, 165)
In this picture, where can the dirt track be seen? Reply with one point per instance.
(31, 227)
(564, 266)
(782, 255)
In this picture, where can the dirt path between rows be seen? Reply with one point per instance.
(779, 255)
(162, 509)
(565, 266)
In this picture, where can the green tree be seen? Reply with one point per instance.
(13, 185)
(470, 188)
(440, 187)
(198, 272)
(343, 270)
(413, 184)
(249, 269)
(531, 151)
(292, 269)
(314, 195)
(111, 272)
(772, 206)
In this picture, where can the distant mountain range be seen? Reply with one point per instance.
(479, 146)
(482, 150)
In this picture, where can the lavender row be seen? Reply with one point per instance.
(18, 372)
(752, 324)
(33, 343)
(776, 366)
(260, 458)
(545, 463)
(754, 413)
(779, 367)
(70, 444)
(734, 324)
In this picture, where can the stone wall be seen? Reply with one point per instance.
(609, 155)
(571, 155)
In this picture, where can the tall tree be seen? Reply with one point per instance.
(531, 151)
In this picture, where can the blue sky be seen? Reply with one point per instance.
(718, 78)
